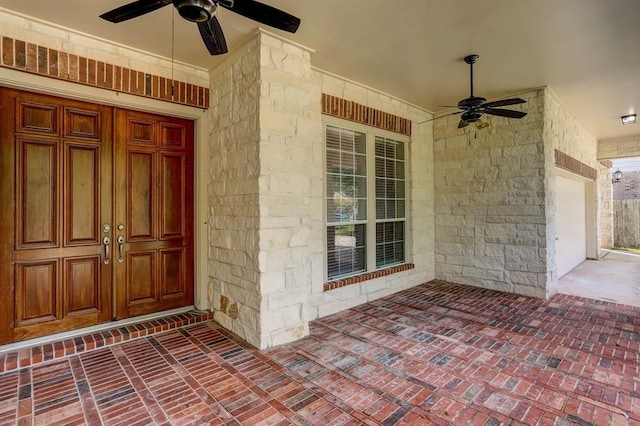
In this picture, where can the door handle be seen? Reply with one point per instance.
(120, 241)
(106, 241)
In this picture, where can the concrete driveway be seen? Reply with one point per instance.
(614, 278)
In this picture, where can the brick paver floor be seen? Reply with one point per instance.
(436, 354)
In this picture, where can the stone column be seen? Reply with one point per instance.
(265, 190)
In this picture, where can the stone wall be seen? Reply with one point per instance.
(420, 219)
(233, 192)
(495, 197)
(291, 189)
(605, 199)
(266, 191)
(564, 133)
(490, 201)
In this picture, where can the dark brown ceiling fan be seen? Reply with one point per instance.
(203, 13)
(474, 107)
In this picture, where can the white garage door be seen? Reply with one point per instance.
(571, 245)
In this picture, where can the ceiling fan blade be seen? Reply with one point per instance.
(504, 102)
(265, 14)
(133, 10)
(462, 124)
(505, 112)
(212, 36)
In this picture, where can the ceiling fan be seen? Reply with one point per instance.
(203, 13)
(474, 107)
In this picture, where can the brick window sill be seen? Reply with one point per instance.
(332, 285)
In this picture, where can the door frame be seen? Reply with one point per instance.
(35, 83)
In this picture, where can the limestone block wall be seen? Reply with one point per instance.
(490, 206)
(420, 217)
(266, 194)
(605, 198)
(233, 193)
(291, 189)
(495, 197)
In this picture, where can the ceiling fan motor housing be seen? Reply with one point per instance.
(471, 102)
(471, 116)
(196, 10)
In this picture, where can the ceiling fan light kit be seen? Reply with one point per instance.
(203, 12)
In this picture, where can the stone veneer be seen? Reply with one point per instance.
(495, 196)
(266, 193)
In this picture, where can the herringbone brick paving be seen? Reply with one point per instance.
(439, 354)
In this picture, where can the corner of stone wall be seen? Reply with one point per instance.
(564, 133)
(233, 194)
(290, 187)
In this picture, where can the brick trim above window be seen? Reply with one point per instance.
(349, 110)
(569, 163)
(34, 59)
(332, 285)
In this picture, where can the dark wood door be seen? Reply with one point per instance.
(76, 177)
(56, 195)
(153, 177)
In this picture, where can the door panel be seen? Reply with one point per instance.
(83, 285)
(83, 190)
(37, 204)
(36, 292)
(156, 213)
(172, 199)
(37, 117)
(172, 273)
(141, 196)
(55, 153)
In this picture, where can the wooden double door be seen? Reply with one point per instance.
(97, 214)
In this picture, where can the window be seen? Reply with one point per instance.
(365, 201)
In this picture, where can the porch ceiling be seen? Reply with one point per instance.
(585, 50)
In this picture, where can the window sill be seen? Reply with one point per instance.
(332, 285)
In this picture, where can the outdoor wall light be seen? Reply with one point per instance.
(628, 119)
(617, 176)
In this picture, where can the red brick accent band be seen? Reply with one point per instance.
(569, 163)
(60, 65)
(332, 285)
(349, 110)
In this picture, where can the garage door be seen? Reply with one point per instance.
(571, 245)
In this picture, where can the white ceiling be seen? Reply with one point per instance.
(587, 51)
